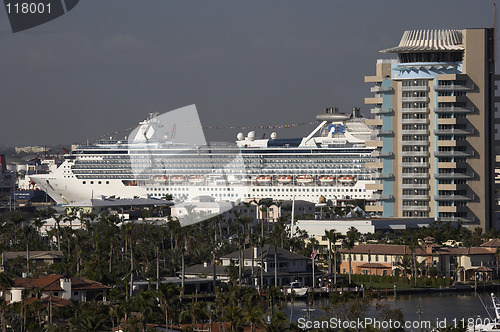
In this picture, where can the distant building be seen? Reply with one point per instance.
(384, 259)
(434, 110)
(61, 288)
(30, 149)
(291, 266)
(37, 257)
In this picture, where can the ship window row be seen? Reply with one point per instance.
(305, 190)
(92, 182)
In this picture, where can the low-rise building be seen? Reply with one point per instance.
(459, 263)
(57, 286)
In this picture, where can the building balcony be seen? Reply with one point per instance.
(454, 109)
(451, 187)
(448, 143)
(415, 175)
(454, 87)
(415, 208)
(454, 131)
(447, 121)
(374, 122)
(385, 133)
(375, 144)
(415, 99)
(413, 143)
(454, 175)
(417, 164)
(381, 197)
(454, 197)
(379, 175)
(380, 110)
(415, 88)
(447, 209)
(374, 208)
(415, 153)
(375, 164)
(454, 154)
(416, 197)
(379, 88)
(373, 100)
(414, 132)
(414, 110)
(415, 121)
(415, 186)
(382, 154)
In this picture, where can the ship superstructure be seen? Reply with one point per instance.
(329, 162)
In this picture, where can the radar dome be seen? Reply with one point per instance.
(274, 135)
(251, 135)
(240, 136)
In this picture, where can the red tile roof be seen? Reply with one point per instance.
(397, 249)
(86, 284)
(48, 283)
(493, 243)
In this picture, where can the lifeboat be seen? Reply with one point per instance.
(133, 183)
(196, 178)
(304, 179)
(177, 179)
(326, 179)
(284, 179)
(160, 178)
(346, 179)
(264, 179)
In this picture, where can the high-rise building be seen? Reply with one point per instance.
(434, 109)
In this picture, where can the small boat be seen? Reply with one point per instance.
(297, 287)
(304, 179)
(196, 178)
(264, 179)
(177, 179)
(285, 179)
(346, 179)
(327, 179)
(487, 325)
(160, 178)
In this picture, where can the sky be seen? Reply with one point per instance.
(103, 66)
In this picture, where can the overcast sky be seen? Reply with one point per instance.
(106, 64)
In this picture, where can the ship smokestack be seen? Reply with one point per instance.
(356, 112)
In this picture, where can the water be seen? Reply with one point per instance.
(453, 308)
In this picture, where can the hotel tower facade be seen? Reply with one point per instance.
(434, 111)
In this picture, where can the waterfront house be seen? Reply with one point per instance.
(57, 286)
(291, 266)
(386, 259)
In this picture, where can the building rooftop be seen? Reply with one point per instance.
(267, 253)
(428, 41)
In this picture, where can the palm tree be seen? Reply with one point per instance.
(332, 237)
(167, 294)
(144, 303)
(405, 265)
(413, 245)
(91, 323)
(351, 237)
(253, 315)
(5, 283)
(234, 315)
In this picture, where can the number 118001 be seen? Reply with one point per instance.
(28, 8)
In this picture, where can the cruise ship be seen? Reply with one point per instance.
(167, 155)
